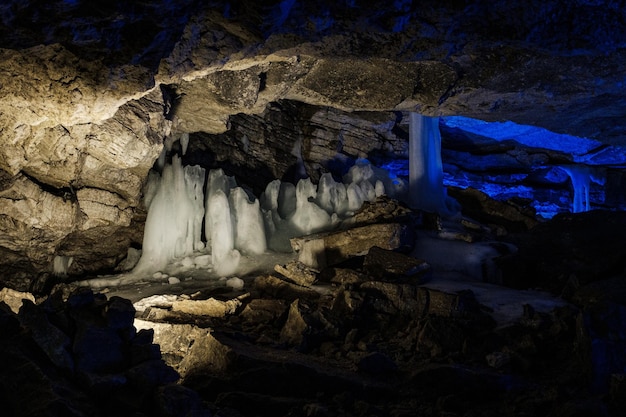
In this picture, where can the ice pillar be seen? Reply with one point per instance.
(174, 220)
(426, 190)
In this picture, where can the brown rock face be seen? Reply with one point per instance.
(88, 95)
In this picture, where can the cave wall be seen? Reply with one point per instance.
(90, 90)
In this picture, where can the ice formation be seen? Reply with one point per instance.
(581, 177)
(172, 228)
(249, 227)
(225, 257)
(61, 264)
(236, 224)
(425, 167)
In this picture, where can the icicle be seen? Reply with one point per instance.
(581, 177)
(61, 264)
(184, 142)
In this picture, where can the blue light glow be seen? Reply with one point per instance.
(531, 136)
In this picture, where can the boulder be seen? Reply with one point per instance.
(277, 288)
(388, 265)
(324, 249)
(298, 273)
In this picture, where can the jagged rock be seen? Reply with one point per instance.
(73, 357)
(381, 210)
(294, 328)
(211, 307)
(178, 400)
(298, 273)
(320, 250)
(281, 289)
(14, 299)
(479, 206)
(98, 350)
(53, 342)
(393, 298)
(263, 311)
(445, 304)
(189, 349)
(343, 276)
(589, 246)
(387, 264)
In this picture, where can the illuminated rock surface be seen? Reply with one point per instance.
(93, 95)
(88, 96)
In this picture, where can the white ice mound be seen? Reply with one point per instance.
(309, 217)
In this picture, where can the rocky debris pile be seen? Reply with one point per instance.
(84, 357)
(369, 336)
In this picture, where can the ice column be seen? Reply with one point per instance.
(426, 190)
(225, 257)
(249, 229)
(172, 228)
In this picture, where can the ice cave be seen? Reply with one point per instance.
(297, 208)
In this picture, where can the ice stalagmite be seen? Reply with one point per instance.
(194, 181)
(426, 190)
(172, 228)
(331, 195)
(225, 257)
(309, 217)
(249, 228)
(217, 180)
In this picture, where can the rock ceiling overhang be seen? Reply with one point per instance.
(496, 61)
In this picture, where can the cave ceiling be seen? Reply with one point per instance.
(559, 65)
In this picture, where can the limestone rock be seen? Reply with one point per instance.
(14, 299)
(292, 332)
(298, 273)
(54, 342)
(478, 205)
(320, 250)
(281, 289)
(189, 349)
(343, 276)
(263, 311)
(211, 307)
(386, 264)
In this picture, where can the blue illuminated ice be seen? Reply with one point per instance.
(426, 168)
(581, 177)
